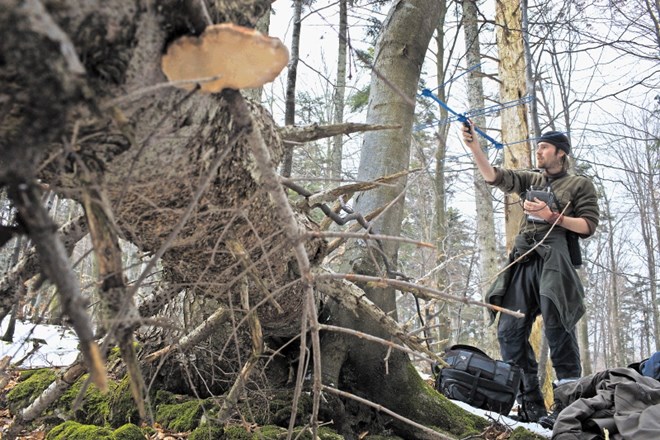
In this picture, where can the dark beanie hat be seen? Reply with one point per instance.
(558, 139)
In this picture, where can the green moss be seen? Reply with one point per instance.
(437, 412)
(128, 432)
(76, 431)
(114, 355)
(180, 417)
(164, 397)
(280, 407)
(121, 407)
(521, 433)
(269, 432)
(323, 433)
(206, 432)
(93, 409)
(31, 385)
(236, 433)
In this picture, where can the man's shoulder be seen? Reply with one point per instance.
(577, 179)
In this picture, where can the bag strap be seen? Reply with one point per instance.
(466, 347)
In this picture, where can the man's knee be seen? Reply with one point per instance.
(564, 352)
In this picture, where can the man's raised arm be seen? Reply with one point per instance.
(480, 158)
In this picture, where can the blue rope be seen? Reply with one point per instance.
(462, 118)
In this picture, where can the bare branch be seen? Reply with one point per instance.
(50, 395)
(368, 337)
(354, 299)
(270, 182)
(57, 268)
(421, 291)
(344, 394)
(70, 234)
(293, 134)
(200, 332)
(120, 306)
(367, 236)
(231, 400)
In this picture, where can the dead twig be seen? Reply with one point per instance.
(294, 135)
(390, 413)
(367, 236)
(240, 254)
(416, 354)
(422, 291)
(231, 400)
(70, 234)
(354, 299)
(200, 332)
(50, 395)
(56, 266)
(271, 184)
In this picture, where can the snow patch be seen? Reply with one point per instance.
(58, 347)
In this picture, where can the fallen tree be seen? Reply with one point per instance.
(188, 177)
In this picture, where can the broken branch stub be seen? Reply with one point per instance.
(225, 56)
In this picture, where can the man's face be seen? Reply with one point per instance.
(548, 156)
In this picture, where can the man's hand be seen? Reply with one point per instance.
(480, 158)
(537, 208)
(469, 136)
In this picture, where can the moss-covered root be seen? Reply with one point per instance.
(30, 386)
(425, 405)
(207, 432)
(521, 433)
(121, 406)
(269, 432)
(180, 417)
(129, 432)
(93, 409)
(75, 431)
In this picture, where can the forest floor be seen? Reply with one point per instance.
(49, 346)
(40, 432)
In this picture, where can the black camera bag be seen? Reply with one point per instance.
(475, 378)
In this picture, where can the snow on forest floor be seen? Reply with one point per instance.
(57, 347)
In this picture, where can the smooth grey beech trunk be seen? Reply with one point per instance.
(388, 377)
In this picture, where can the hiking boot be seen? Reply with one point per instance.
(548, 422)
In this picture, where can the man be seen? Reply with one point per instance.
(543, 281)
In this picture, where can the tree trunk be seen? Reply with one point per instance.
(291, 78)
(530, 78)
(512, 86)
(339, 92)
(483, 193)
(263, 26)
(618, 351)
(440, 220)
(362, 366)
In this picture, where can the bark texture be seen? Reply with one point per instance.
(483, 193)
(510, 46)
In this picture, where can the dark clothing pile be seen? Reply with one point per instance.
(620, 401)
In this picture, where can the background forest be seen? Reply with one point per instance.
(590, 69)
(595, 75)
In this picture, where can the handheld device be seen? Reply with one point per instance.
(543, 194)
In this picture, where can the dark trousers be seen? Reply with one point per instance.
(523, 294)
